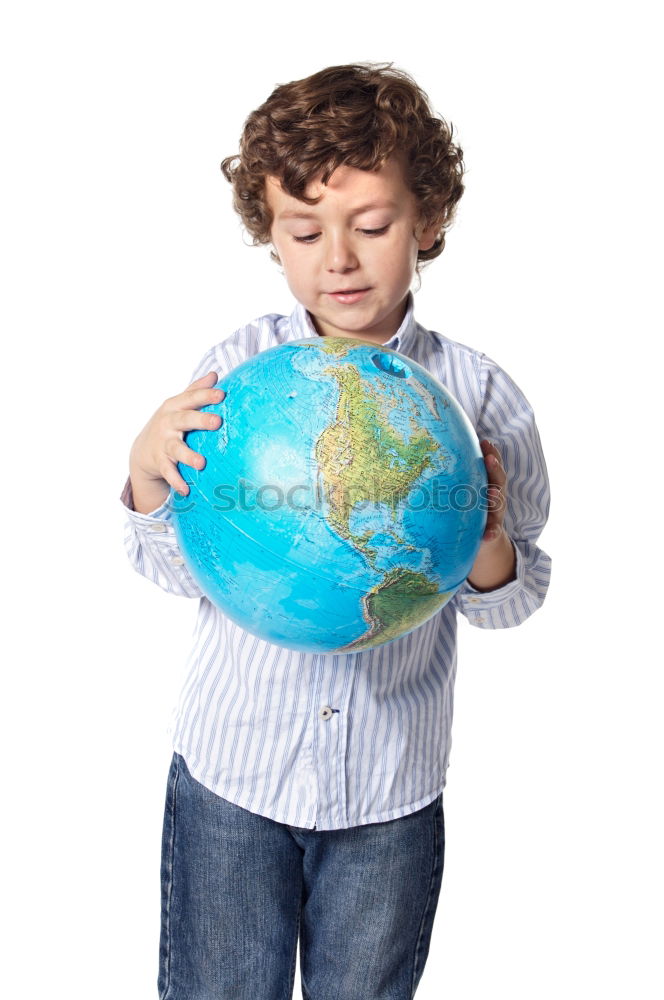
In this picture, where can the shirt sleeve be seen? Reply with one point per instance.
(507, 420)
(150, 540)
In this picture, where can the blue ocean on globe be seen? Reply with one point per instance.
(343, 499)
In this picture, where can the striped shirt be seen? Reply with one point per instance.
(334, 740)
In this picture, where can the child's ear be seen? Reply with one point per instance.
(426, 233)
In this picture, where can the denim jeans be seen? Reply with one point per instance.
(238, 890)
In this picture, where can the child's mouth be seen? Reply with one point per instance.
(350, 296)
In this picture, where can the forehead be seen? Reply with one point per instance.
(347, 187)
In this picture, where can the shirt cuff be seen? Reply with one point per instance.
(471, 599)
(158, 519)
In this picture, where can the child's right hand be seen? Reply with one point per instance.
(160, 445)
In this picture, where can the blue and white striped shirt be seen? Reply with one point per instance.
(337, 740)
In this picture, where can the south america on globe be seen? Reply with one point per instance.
(343, 498)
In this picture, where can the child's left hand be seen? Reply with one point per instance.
(497, 481)
(495, 563)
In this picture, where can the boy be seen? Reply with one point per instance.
(304, 796)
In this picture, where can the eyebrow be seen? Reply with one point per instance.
(358, 211)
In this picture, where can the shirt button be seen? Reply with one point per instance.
(177, 560)
(158, 526)
(326, 712)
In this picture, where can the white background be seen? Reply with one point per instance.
(122, 262)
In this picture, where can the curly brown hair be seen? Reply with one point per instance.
(356, 115)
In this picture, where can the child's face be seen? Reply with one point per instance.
(330, 250)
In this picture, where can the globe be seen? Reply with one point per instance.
(343, 498)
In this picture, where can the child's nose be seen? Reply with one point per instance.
(340, 255)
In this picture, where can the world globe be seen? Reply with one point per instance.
(343, 498)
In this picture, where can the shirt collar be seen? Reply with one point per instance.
(302, 327)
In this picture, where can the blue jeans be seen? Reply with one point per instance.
(238, 889)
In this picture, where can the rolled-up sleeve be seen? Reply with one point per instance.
(507, 420)
(153, 549)
(149, 539)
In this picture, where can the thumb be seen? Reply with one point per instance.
(208, 379)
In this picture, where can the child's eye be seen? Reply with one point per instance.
(367, 232)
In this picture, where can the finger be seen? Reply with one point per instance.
(491, 532)
(178, 451)
(185, 457)
(490, 450)
(493, 462)
(495, 513)
(207, 380)
(169, 472)
(192, 399)
(189, 420)
(496, 503)
(495, 470)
